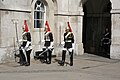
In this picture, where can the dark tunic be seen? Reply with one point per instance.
(68, 39)
(106, 38)
(48, 39)
(27, 37)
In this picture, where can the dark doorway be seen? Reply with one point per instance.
(96, 18)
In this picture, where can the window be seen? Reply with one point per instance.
(39, 13)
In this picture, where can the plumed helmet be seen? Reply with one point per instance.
(47, 26)
(69, 27)
(25, 26)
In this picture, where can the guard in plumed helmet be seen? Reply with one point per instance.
(68, 45)
(25, 48)
(48, 39)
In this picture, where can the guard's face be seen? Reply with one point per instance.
(23, 28)
(46, 29)
(67, 30)
(106, 29)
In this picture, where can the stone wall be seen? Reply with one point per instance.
(24, 5)
(58, 13)
(17, 11)
(8, 29)
(115, 46)
(69, 11)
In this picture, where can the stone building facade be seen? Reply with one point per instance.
(57, 13)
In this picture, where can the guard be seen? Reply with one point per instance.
(48, 45)
(106, 41)
(25, 48)
(68, 45)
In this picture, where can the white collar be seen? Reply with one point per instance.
(47, 33)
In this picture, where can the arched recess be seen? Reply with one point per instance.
(38, 33)
(96, 18)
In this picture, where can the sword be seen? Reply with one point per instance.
(24, 52)
(45, 51)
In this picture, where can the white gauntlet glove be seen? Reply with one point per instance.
(63, 43)
(27, 45)
(73, 46)
(43, 41)
(51, 45)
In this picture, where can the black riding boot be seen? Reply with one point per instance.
(45, 56)
(22, 58)
(49, 57)
(71, 58)
(63, 58)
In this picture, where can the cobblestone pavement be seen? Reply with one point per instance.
(86, 67)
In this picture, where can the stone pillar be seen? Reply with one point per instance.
(79, 44)
(0, 28)
(115, 37)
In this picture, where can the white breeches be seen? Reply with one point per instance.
(70, 49)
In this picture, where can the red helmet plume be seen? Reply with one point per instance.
(69, 27)
(25, 26)
(47, 25)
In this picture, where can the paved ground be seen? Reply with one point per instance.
(86, 67)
